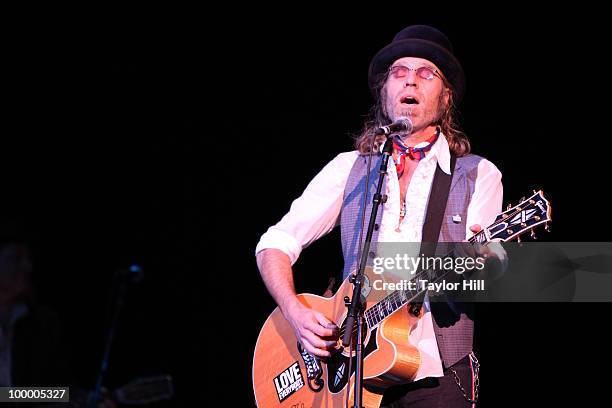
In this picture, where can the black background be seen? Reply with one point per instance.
(114, 154)
(99, 157)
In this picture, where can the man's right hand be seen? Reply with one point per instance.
(318, 335)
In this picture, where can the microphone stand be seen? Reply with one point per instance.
(356, 305)
(122, 278)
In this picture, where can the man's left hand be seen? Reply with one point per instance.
(494, 254)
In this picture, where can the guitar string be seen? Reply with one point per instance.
(375, 309)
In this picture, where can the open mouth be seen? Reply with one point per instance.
(410, 100)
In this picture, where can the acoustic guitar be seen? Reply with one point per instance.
(286, 375)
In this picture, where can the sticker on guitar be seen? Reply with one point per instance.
(289, 381)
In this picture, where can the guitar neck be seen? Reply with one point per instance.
(509, 224)
(411, 291)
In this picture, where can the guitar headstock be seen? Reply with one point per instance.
(521, 218)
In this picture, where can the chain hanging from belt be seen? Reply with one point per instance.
(475, 368)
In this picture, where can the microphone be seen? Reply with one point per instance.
(401, 125)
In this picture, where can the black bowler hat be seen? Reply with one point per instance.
(423, 42)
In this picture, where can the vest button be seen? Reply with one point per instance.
(372, 254)
(376, 227)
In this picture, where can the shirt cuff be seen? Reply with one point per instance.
(278, 239)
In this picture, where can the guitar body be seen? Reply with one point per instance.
(280, 369)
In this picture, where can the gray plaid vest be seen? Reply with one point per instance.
(453, 323)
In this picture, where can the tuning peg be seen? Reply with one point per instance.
(535, 192)
(533, 235)
(547, 227)
(509, 206)
(518, 239)
(522, 199)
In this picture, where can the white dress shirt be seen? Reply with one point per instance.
(316, 212)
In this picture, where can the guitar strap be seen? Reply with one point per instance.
(436, 206)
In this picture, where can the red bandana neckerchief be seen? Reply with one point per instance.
(414, 153)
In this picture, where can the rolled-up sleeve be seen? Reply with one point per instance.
(315, 213)
(486, 202)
